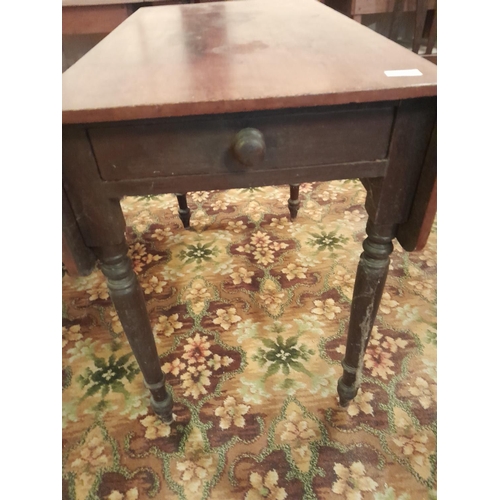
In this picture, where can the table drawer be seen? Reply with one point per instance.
(205, 145)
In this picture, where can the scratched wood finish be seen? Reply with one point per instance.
(194, 146)
(368, 288)
(236, 56)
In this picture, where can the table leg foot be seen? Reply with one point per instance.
(368, 289)
(293, 202)
(346, 393)
(184, 211)
(128, 299)
(162, 403)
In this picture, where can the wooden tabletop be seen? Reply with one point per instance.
(237, 56)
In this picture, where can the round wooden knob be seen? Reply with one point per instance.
(249, 147)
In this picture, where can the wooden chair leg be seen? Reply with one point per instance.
(420, 14)
(358, 18)
(293, 202)
(128, 299)
(368, 289)
(395, 19)
(431, 42)
(184, 212)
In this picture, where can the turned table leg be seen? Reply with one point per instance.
(293, 202)
(184, 212)
(368, 287)
(128, 298)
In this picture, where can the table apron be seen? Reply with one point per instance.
(247, 179)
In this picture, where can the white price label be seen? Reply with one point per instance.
(403, 72)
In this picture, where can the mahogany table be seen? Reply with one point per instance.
(240, 94)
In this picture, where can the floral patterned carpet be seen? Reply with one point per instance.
(249, 314)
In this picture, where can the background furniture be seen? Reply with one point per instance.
(86, 22)
(87, 17)
(422, 27)
(356, 9)
(243, 94)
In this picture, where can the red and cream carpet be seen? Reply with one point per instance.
(249, 313)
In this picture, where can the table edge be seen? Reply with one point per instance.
(168, 110)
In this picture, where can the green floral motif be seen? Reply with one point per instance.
(198, 253)
(431, 369)
(408, 315)
(432, 334)
(325, 241)
(289, 386)
(245, 330)
(109, 375)
(69, 413)
(283, 355)
(148, 197)
(390, 494)
(309, 323)
(136, 405)
(277, 327)
(101, 408)
(82, 349)
(252, 391)
(250, 190)
(325, 384)
(67, 376)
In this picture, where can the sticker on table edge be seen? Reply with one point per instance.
(403, 72)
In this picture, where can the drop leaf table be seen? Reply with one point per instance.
(240, 94)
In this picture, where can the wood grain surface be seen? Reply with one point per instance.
(237, 56)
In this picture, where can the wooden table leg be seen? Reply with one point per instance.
(102, 226)
(293, 202)
(128, 298)
(184, 212)
(368, 288)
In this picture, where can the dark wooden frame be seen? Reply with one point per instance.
(397, 169)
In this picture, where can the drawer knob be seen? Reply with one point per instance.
(249, 147)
